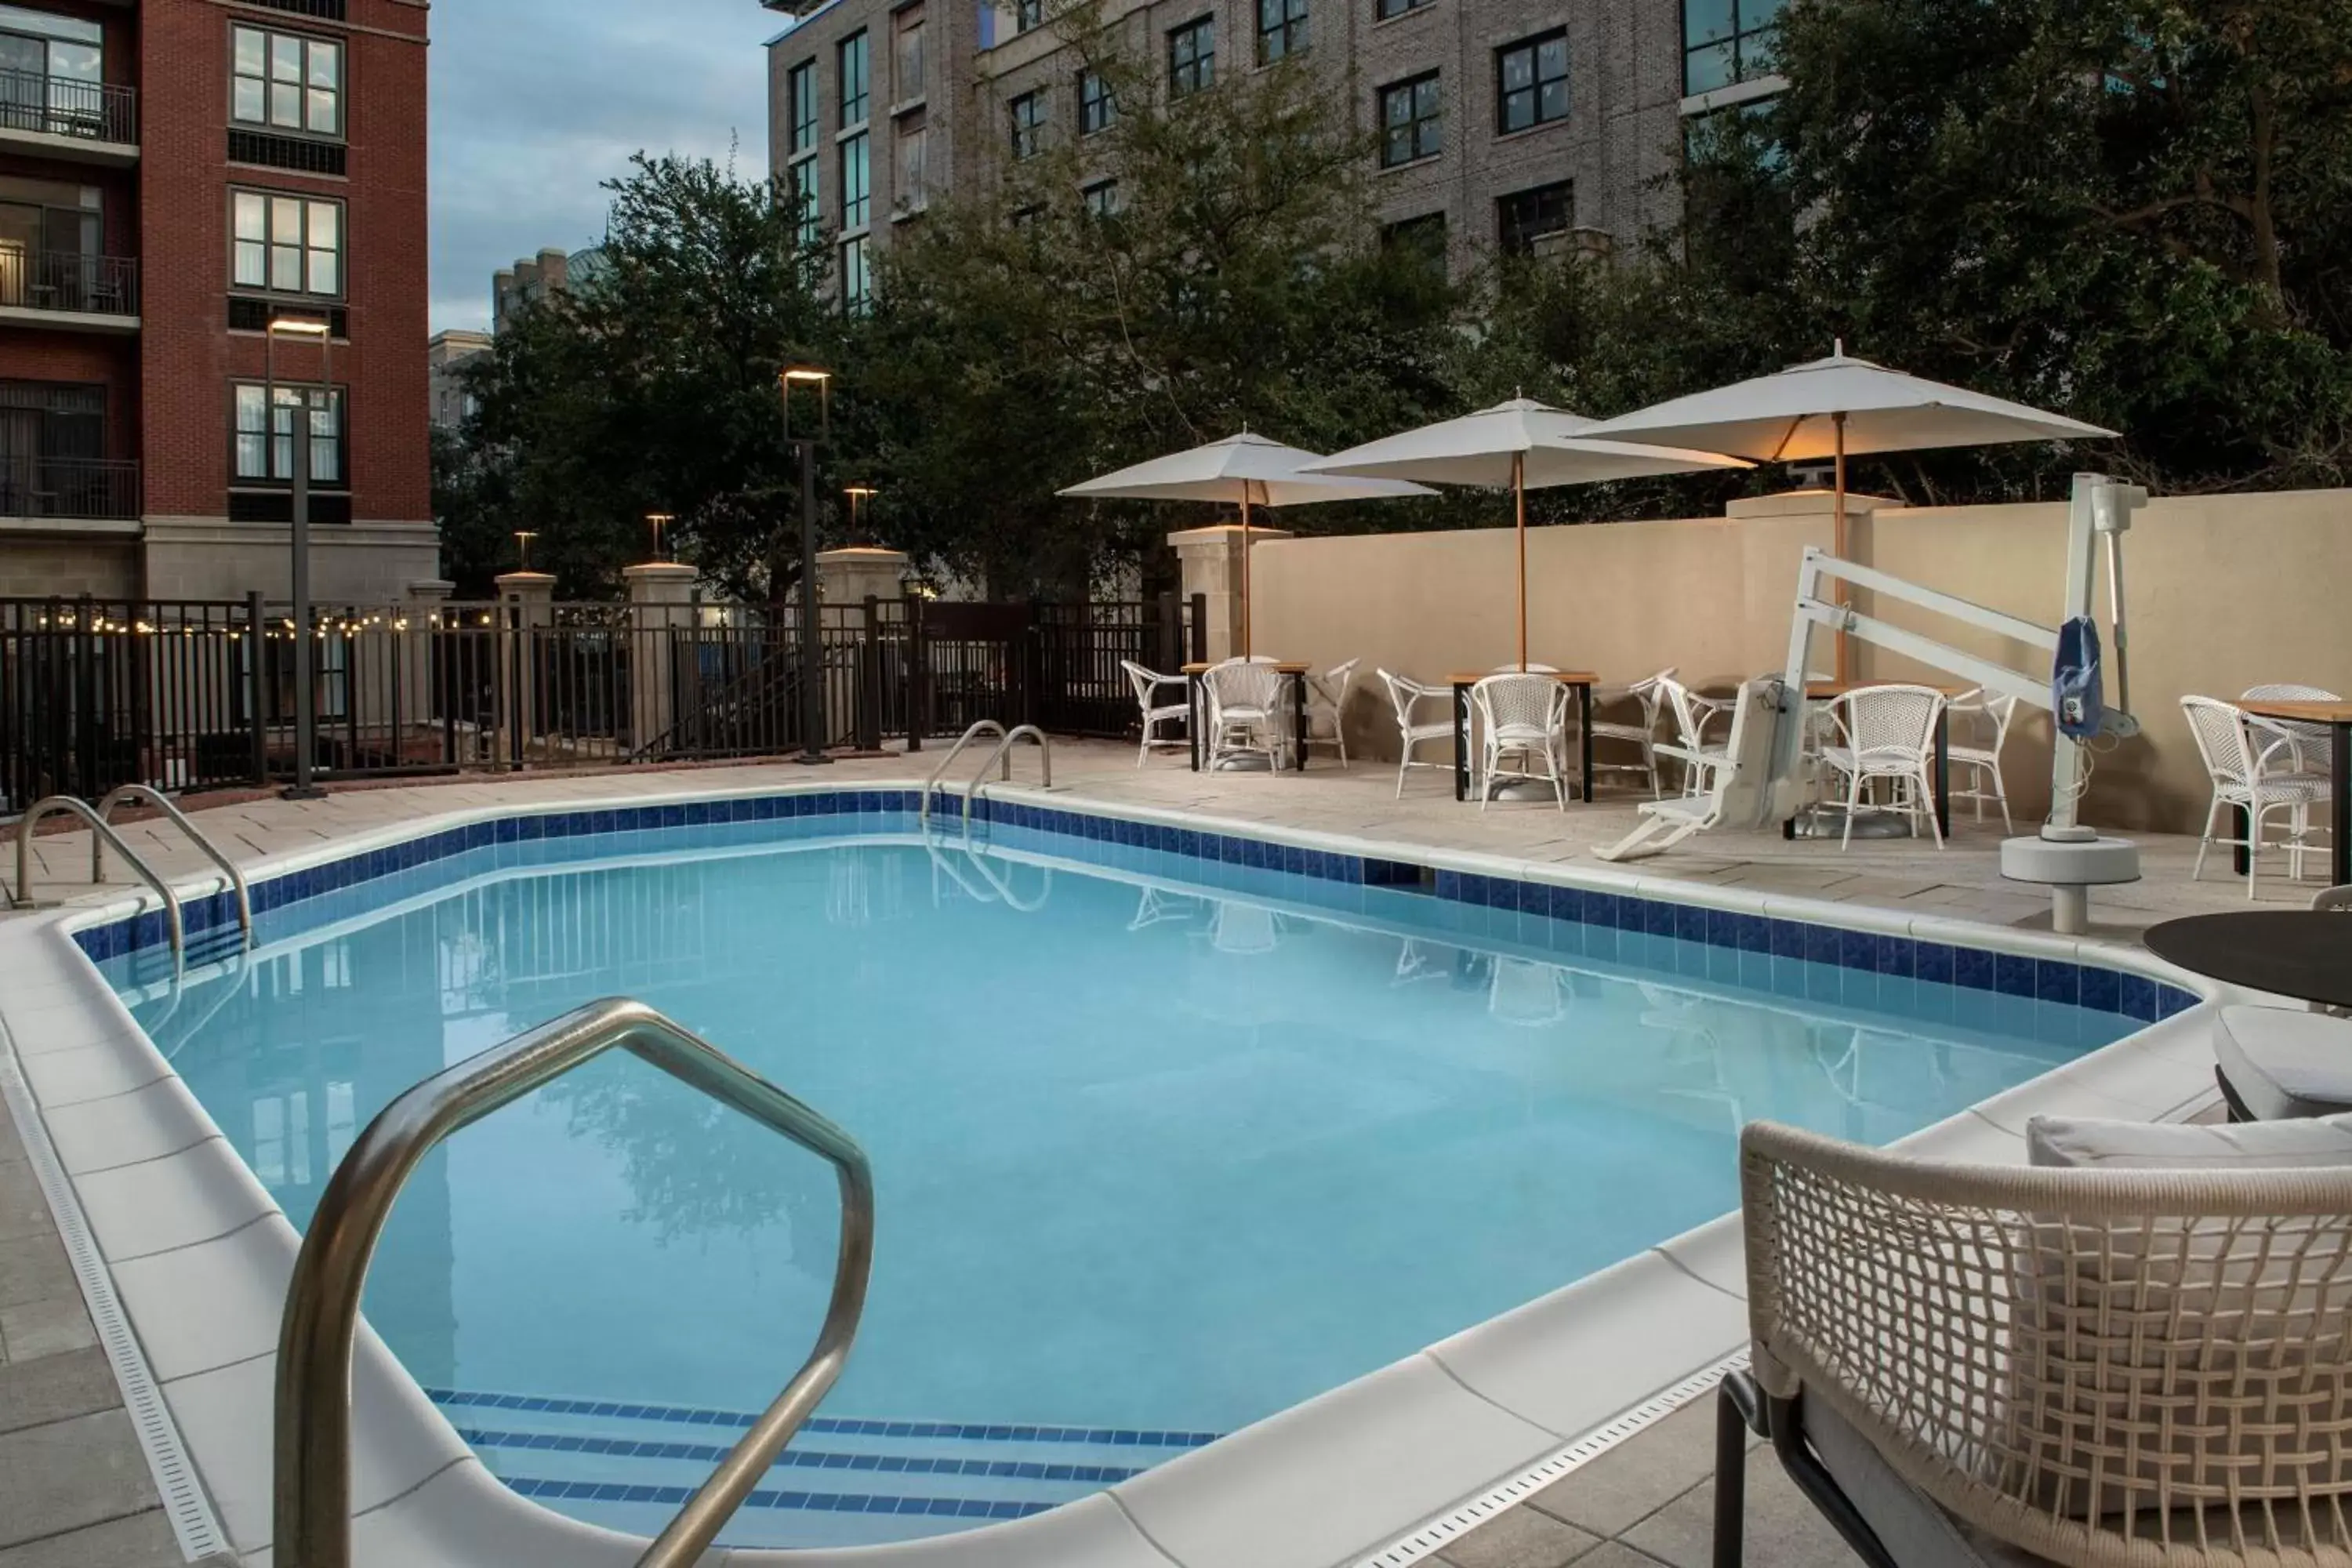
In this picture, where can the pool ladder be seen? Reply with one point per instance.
(312, 1501)
(1002, 757)
(102, 833)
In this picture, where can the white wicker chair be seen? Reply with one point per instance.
(1650, 695)
(2311, 741)
(1523, 720)
(1406, 695)
(1146, 684)
(2129, 1367)
(1887, 732)
(1244, 702)
(2252, 770)
(1327, 708)
(1979, 766)
(1692, 715)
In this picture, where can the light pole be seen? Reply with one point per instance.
(812, 649)
(306, 715)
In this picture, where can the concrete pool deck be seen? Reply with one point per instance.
(1643, 1501)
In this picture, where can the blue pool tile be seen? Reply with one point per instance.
(1534, 898)
(2057, 980)
(1898, 955)
(1688, 921)
(1820, 944)
(2102, 990)
(2171, 999)
(2012, 975)
(1752, 933)
(1858, 949)
(1973, 968)
(1785, 938)
(1566, 904)
(1932, 963)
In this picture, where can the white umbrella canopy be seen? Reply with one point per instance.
(1838, 407)
(1242, 470)
(1521, 444)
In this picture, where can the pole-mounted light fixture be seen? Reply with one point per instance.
(660, 520)
(857, 494)
(523, 536)
(319, 330)
(808, 375)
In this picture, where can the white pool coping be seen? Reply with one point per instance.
(197, 1254)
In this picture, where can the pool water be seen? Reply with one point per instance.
(1153, 1159)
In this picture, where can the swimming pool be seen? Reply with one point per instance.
(1166, 1141)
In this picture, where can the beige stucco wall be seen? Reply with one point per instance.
(2225, 592)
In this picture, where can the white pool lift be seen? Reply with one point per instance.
(1761, 788)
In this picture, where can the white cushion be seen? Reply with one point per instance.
(2066, 1141)
(2285, 1063)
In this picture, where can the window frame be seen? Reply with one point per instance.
(291, 394)
(1389, 10)
(1198, 71)
(911, 188)
(856, 209)
(1413, 125)
(859, 47)
(804, 179)
(1534, 194)
(1028, 16)
(268, 122)
(802, 131)
(1029, 114)
(857, 300)
(305, 251)
(906, 23)
(1738, 40)
(1288, 35)
(1532, 45)
(1097, 108)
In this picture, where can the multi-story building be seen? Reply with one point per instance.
(173, 176)
(1502, 125)
(451, 403)
(550, 272)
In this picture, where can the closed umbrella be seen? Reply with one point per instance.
(1837, 408)
(1242, 470)
(1522, 444)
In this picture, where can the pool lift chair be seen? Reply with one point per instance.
(1761, 788)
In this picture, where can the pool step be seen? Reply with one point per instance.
(844, 1480)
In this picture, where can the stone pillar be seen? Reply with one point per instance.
(527, 607)
(1775, 531)
(1211, 562)
(426, 599)
(661, 615)
(854, 573)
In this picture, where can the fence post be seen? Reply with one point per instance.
(869, 679)
(256, 676)
(919, 675)
(1168, 641)
(659, 593)
(415, 646)
(1199, 629)
(528, 601)
(1032, 666)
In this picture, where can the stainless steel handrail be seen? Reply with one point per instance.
(1003, 753)
(979, 726)
(101, 831)
(313, 1505)
(212, 851)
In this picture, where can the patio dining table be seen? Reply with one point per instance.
(1830, 691)
(2302, 953)
(1196, 692)
(1582, 679)
(2337, 719)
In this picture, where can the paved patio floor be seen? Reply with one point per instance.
(73, 1490)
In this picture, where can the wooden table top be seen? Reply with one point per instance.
(1830, 691)
(2308, 713)
(2302, 953)
(1284, 667)
(1566, 677)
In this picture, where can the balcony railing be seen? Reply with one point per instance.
(67, 281)
(58, 106)
(90, 488)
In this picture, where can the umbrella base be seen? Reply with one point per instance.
(1870, 821)
(1529, 789)
(1242, 762)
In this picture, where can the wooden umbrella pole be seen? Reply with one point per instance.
(1838, 549)
(1245, 571)
(1519, 497)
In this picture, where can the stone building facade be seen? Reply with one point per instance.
(1504, 124)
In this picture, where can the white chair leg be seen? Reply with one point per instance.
(1404, 762)
(1853, 805)
(1928, 807)
(2212, 811)
(2001, 793)
(2253, 843)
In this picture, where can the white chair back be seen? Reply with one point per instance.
(1404, 693)
(2002, 710)
(1520, 708)
(1145, 681)
(1890, 723)
(1233, 684)
(1327, 694)
(2219, 729)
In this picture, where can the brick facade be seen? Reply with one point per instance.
(169, 380)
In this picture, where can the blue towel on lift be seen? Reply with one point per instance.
(2074, 689)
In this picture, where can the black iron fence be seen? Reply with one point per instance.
(65, 105)
(201, 695)
(69, 281)
(33, 484)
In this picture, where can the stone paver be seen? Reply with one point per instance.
(66, 1475)
(138, 1541)
(1520, 1538)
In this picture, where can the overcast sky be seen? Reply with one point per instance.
(537, 101)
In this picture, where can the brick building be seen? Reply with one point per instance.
(1504, 124)
(173, 174)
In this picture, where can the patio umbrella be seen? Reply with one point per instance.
(1242, 470)
(1837, 408)
(1521, 443)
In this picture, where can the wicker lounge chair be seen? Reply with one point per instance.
(2143, 1363)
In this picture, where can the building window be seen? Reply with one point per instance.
(1531, 82)
(800, 90)
(1724, 41)
(853, 80)
(50, 70)
(1096, 107)
(286, 82)
(907, 54)
(1423, 238)
(1384, 9)
(1028, 123)
(1028, 14)
(1524, 216)
(914, 158)
(857, 279)
(287, 245)
(1412, 123)
(264, 446)
(803, 189)
(1281, 29)
(1192, 58)
(856, 187)
(1102, 198)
